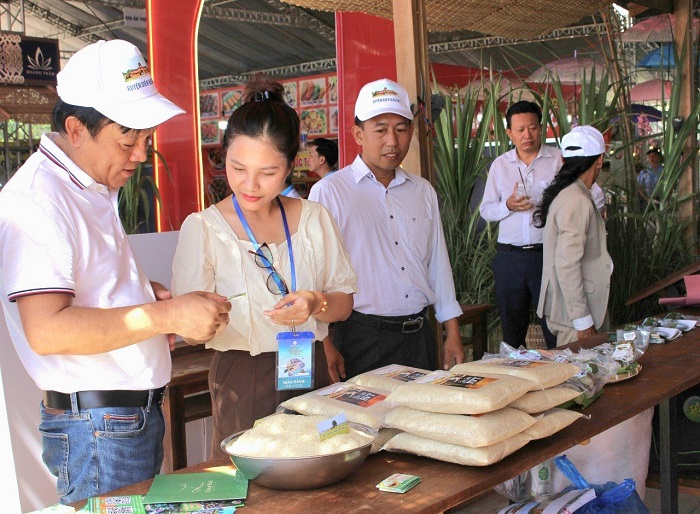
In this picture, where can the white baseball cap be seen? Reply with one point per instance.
(583, 141)
(113, 78)
(380, 97)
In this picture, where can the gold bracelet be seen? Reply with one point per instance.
(324, 305)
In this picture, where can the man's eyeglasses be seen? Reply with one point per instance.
(275, 283)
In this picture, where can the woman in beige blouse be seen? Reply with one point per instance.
(215, 253)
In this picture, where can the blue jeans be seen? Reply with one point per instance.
(94, 451)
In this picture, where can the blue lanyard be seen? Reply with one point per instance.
(246, 227)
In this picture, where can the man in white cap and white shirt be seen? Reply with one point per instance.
(390, 223)
(577, 267)
(89, 327)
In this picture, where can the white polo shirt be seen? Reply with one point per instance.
(60, 233)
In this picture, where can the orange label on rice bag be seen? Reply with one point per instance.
(466, 381)
(357, 396)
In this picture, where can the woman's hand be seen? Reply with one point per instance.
(295, 308)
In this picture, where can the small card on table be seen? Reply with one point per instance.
(398, 483)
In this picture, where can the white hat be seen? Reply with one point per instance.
(583, 141)
(112, 77)
(380, 97)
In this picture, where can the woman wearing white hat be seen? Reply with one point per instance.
(577, 266)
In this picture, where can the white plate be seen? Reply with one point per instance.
(683, 324)
(688, 324)
(668, 333)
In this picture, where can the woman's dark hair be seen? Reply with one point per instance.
(264, 114)
(572, 169)
(326, 148)
(91, 118)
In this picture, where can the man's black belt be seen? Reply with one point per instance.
(404, 324)
(102, 399)
(513, 248)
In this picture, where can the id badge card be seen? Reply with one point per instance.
(295, 360)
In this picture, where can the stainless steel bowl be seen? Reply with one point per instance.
(297, 473)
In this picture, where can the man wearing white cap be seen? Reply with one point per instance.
(89, 327)
(391, 226)
(577, 266)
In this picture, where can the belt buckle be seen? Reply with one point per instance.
(412, 325)
(527, 247)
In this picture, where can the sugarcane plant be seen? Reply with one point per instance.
(465, 143)
(647, 240)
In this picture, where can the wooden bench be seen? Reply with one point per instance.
(188, 399)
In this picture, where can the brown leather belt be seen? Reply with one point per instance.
(102, 399)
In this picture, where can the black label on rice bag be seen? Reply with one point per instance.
(356, 396)
(465, 381)
(406, 375)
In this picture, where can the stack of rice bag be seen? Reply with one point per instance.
(475, 414)
(479, 412)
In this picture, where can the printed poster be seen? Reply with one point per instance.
(209, 105)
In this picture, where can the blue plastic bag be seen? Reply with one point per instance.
(611, 498)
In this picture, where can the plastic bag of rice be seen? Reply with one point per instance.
(551, 422)
(290, 435)
(360, 404)
(384, 435)
(389, 377)
(473, 431)
(455, 393)
(447, 452)
(543, 373)
(544, 399)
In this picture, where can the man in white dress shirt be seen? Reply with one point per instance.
(513, 190)
(391, 226)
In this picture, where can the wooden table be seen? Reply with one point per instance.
(667, 370)
(188, 399)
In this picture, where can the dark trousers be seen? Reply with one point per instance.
(366, 347)
(518, 276)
